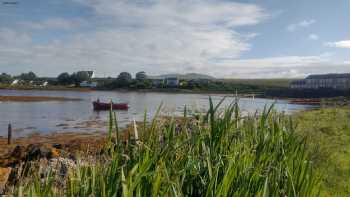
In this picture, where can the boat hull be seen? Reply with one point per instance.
(305, 101)
(98, 106)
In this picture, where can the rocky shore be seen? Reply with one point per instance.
(36, 153)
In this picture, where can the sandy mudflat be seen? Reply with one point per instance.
(35, 99)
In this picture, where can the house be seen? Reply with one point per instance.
(88, 84)
(333, 81)
(15, 82)
(172, 82)
(44, 84)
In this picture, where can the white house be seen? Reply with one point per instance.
(15, 82)
(44, 84)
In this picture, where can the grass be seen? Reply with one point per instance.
(262, 83)
(328, 133)
(219, 153)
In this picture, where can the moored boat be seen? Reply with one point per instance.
(99, 106)
(306, 101)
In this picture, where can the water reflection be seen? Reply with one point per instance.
(47, 117)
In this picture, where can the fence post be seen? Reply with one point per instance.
(9, 134)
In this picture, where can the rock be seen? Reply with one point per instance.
(18, 152)
(35, 151)
(4, 176)
(13, 158)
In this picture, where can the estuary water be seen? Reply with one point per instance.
(78, 116)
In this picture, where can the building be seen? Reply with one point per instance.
(172, 82)
(334, 81)
(15, 82)
(88, 84)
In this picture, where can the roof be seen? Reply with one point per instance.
(329, 76)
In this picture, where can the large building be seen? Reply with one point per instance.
(334, 81)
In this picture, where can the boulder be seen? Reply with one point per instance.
(18, 152)
(37, 151)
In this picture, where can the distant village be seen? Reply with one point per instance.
(313, 84)
(87, 79)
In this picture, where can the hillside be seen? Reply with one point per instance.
(186, 76)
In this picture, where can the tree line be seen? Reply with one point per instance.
(6, 78)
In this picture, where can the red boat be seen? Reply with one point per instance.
(99, 106)
(306, 101)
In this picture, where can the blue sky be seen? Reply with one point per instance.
(232, 39)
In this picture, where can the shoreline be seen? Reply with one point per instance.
(4, 98)
(47, 88)
(154, 90)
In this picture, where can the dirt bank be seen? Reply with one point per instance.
(68, 142)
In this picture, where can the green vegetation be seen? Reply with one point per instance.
(198, 83)
(266, 83)
(328, 134)
(217, 154)
(75, 78)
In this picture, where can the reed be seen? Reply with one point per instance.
(220, 153)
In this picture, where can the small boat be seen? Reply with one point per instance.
(306, 101)
(99, 106)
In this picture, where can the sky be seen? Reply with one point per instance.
(222, 38)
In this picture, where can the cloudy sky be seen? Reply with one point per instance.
(223, 38)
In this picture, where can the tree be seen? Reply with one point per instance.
(80, 76)
(64, 79)
(28, 76)
(5, 78)
(141, 76)
(124, 79)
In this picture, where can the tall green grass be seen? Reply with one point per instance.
(219, 153)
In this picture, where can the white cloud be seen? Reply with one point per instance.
(113, 51)
(339, 44)
(52, 23)
(314, 37)
(154, 35)
(178, 12)
(301, 24)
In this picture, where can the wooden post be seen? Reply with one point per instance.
(9, 134)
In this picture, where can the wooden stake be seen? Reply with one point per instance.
(9, 134)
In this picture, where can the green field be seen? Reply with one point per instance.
(263, 83)
(328, 132)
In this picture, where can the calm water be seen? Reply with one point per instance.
(48, 117)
